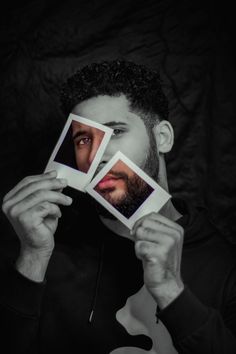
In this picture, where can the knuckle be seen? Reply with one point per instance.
(138, 235)
(56, 208)
(12, 212)
(41, 207)
(179, 233)
(50, 183)
(28, 179)
(23, 218)
(4, 208)
(170, 242)
(142, 247)
(146, 223)
(5, 197)
(38, 194)
(139, 232)
(137, 245)
(45, 205)
(145, 232)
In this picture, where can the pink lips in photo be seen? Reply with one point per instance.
(108, 181)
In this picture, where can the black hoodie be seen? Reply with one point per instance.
(93, 272)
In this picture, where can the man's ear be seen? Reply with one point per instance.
(164, 134)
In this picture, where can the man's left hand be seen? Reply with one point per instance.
(158, 243)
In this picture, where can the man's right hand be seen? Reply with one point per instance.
(32, 209)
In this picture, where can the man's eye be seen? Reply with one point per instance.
(84, 141)
(117, 132)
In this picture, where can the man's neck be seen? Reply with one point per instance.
(120, 229)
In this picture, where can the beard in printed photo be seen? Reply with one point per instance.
(123, 189)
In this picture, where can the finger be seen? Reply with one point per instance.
(164, 220)
(50, 184)
(37, 198)
(150, 235)
(39, 212)
(48, 209)
(27, 180)
(59, 189)
(153, 230)
(147, 251)
(160, 219)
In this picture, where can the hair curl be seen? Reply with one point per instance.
(141, 86)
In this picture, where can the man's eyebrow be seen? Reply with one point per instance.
(114, 124)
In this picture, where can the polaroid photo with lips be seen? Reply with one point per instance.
(126, 191)
(79, 150)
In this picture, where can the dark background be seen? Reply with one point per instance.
(193, 44)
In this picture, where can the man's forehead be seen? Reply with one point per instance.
(106, 110)
(81, 126)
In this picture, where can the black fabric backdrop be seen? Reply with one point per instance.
(192, 42)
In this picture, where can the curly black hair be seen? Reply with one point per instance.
(141, 86)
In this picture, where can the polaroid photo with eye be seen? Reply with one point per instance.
(126, 191)
(79, 150)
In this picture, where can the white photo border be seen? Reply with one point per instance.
(153, 203)
(76, 178)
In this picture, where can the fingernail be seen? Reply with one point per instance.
(152, 260)
(70, 200)
(52, 173)
(63, 181)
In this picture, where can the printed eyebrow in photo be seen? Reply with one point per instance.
(80, 133)
(82, 130)
(85, 131)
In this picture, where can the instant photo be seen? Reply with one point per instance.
(126, 191)
(79, 150)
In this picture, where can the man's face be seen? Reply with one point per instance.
(87, 140)
(130, 136)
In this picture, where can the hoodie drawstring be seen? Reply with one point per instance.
(99, 272)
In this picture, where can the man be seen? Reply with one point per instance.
(90, 297)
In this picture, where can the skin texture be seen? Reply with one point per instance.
(87, 140)
(32, 206)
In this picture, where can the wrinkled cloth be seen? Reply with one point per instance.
(54, 316)
(43, 42)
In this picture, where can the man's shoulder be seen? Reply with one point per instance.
(205, 239)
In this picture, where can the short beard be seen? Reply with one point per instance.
(137, 192)
(151, 166)
(131, 202)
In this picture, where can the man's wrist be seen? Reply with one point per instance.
(33, 264)
(166, 293)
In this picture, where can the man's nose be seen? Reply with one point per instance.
(92, 153)
(107, 155)
(94, 149)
